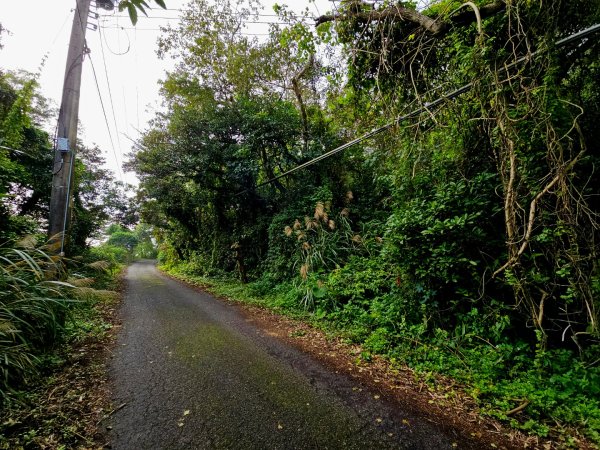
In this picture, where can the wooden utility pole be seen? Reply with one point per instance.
(64, 153)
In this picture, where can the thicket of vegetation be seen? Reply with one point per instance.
(463, 240)
(43, 295)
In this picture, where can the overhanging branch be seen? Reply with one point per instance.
(435, 26)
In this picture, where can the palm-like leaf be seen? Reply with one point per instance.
(33, 305)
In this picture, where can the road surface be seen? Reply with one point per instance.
(193, 373)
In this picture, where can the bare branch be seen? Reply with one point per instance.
(467, 17)
(298, 92)
(434, 26)
(532, 210)
(397, 12)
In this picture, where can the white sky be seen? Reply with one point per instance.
(42, 28)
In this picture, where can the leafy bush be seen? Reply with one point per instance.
(439, 239)
(324, 243)
(110, 253)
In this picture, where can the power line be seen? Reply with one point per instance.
(110, 49)
(112, 104)
(12, 149)
(427, 107)
(124, 110)
(120, 173)
(114, 27)
(62, 27)
(137, 92)
(268, 22)
(222, 12)
(112, 144)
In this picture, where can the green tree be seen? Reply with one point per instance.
(25, 154)
(124, 238)
(145, 247)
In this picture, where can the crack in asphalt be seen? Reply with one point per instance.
(195, 374)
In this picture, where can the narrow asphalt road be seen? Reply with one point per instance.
(194, 373)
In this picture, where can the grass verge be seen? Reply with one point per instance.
(550, 396)
(64, 405)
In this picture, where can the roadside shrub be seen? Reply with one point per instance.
(33, 306)
(110, 253)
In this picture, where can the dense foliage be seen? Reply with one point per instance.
(41, 292)
(463, 241)
(26, 153)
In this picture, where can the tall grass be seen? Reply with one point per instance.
(33, 307)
